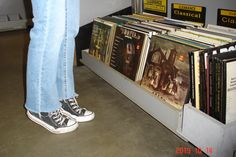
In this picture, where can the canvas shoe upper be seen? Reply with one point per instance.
(71, 108)
(56, 122)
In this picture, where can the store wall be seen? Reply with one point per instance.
(95, 8)
(89, 8)
(13, 7)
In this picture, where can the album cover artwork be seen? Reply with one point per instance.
(166, 73)
(127, 51)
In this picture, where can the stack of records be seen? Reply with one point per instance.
(176, 61)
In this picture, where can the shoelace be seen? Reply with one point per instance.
(74, 105)
(58, 117)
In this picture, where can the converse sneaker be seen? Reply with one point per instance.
(71, 108)
(55, 121)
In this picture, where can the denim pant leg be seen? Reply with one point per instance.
(65, 69)
(46, 38)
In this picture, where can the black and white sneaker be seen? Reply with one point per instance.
(55, 122)
(71, 108)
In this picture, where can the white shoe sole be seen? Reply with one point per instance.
(80, 119)
(50, 128)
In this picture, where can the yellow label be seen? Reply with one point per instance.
(187, 7)
(228, 13)
(155, 5)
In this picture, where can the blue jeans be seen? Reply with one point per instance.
(51, 54)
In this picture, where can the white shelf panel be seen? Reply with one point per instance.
(213, 137)
(166, 114)
(206, 133)
(13, 25)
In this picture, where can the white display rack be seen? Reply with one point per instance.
(13, 25)
(166, 114)
(211, 136)
(206, 133)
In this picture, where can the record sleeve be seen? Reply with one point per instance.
(166, 73)
(128, 52)
(102, 39)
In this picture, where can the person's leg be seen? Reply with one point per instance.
(65, 79)
(65, 72)
(42, 100)
(43, 55)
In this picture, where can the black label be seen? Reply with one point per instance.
(226, 18)
(158, 7)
